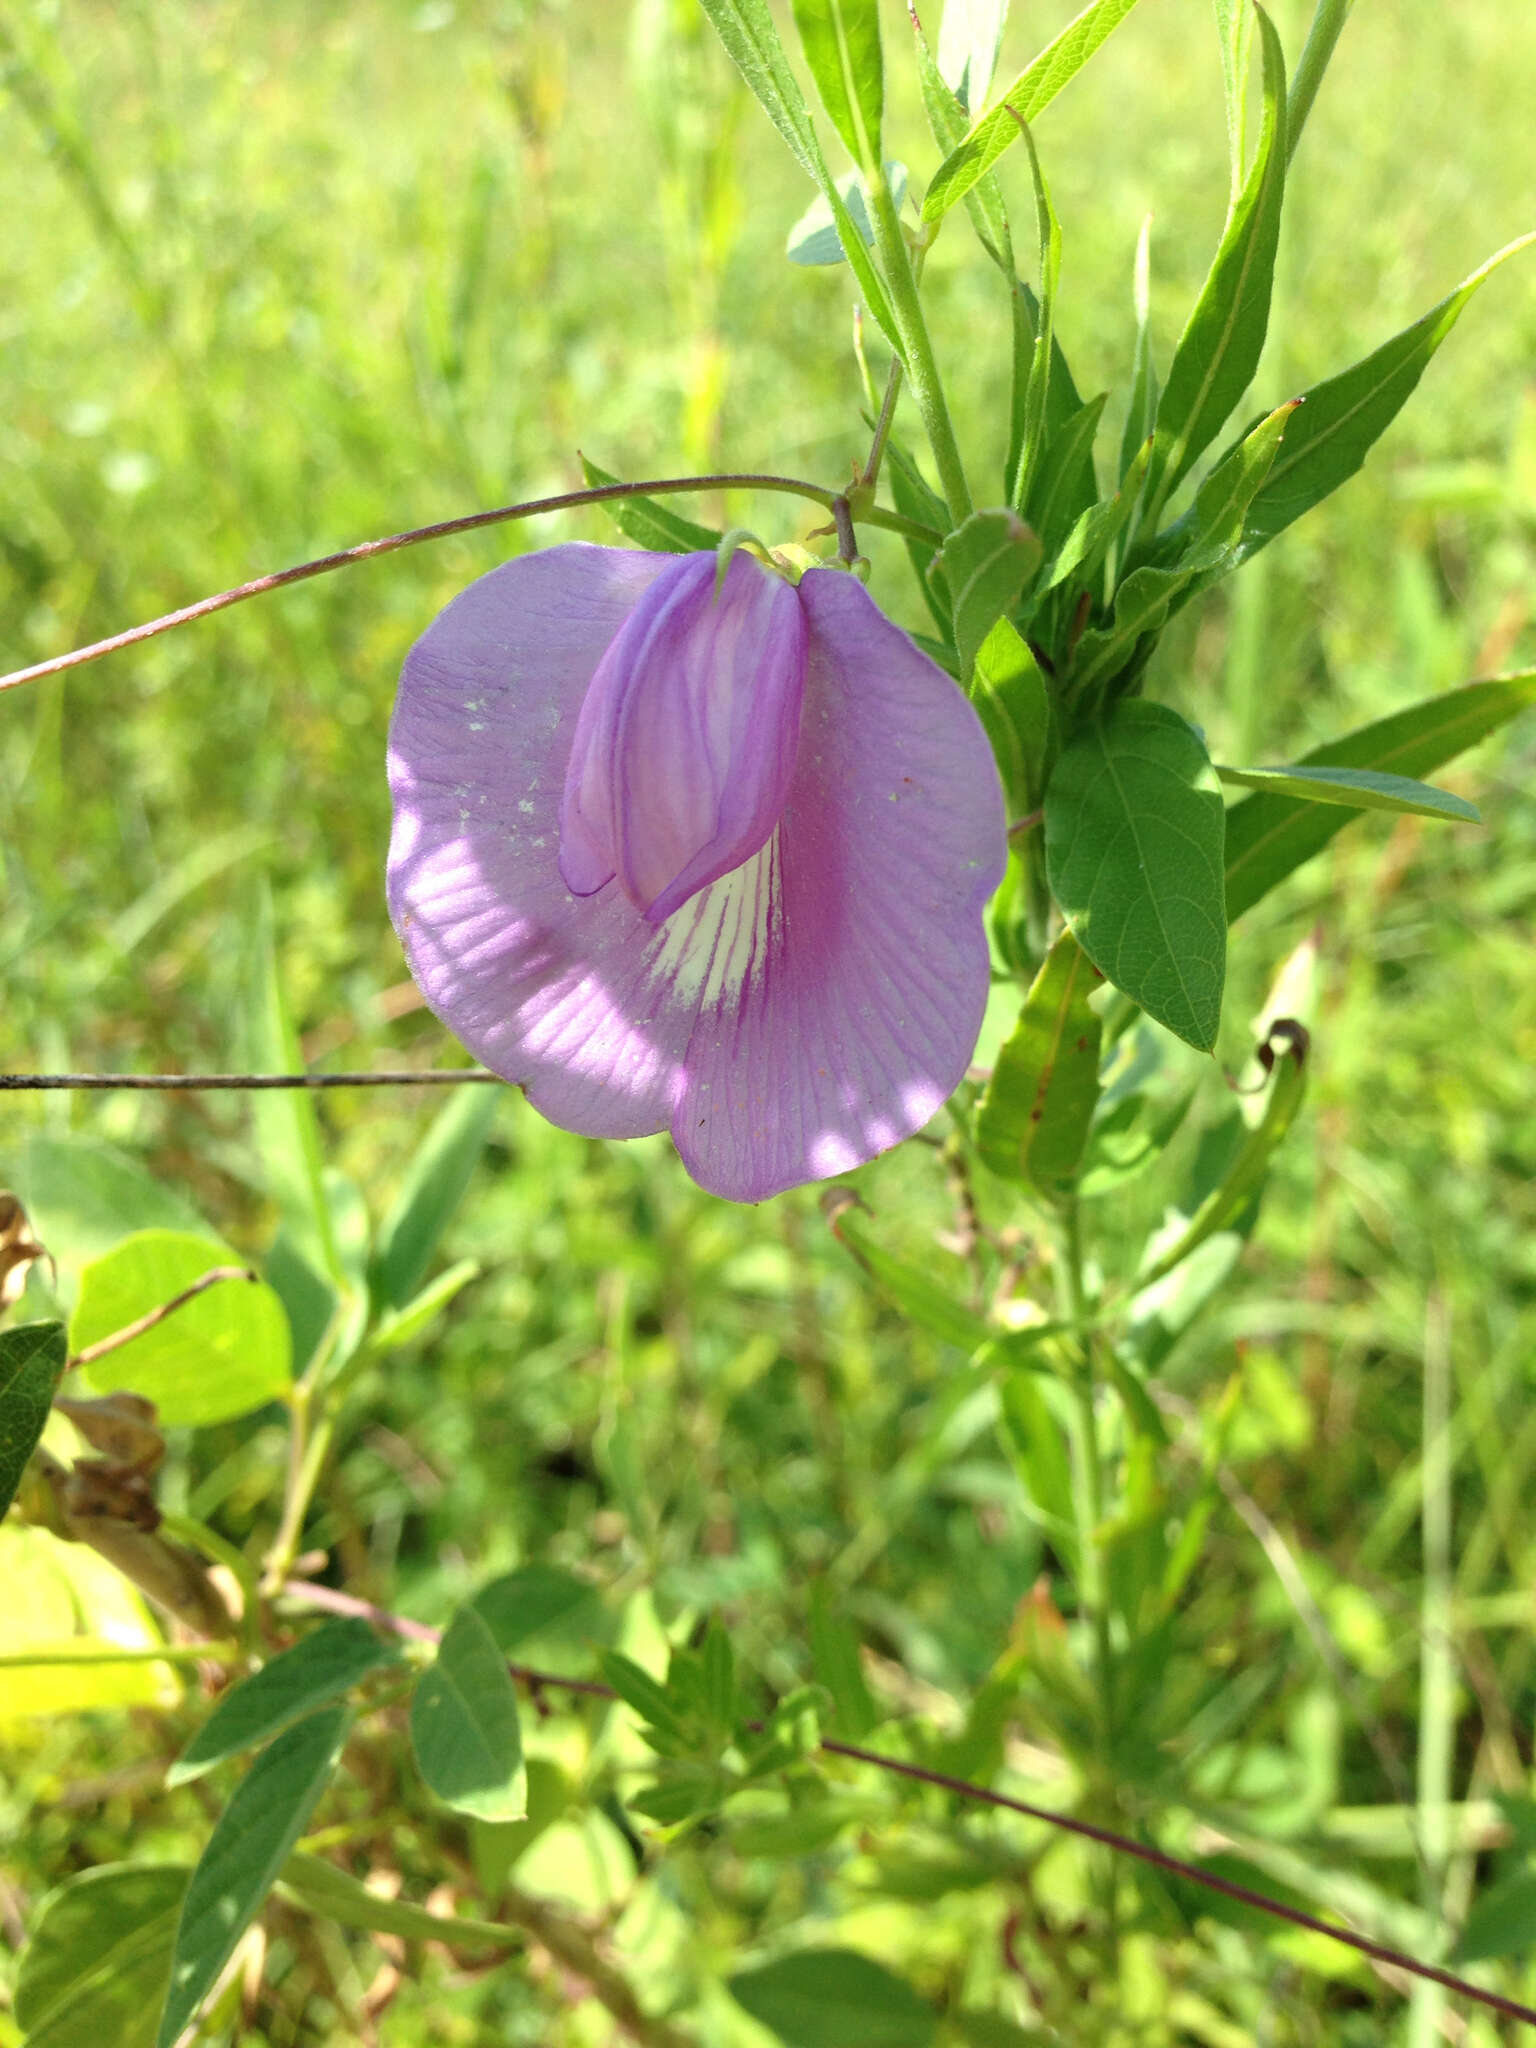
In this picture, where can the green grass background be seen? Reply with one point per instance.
(275, 278)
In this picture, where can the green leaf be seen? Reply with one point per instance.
(1014, 704)
(831, 1997)
(1234, 29)
(1219, 350)
(1064, 485)
(1341, 418)
(649, 524)
(97, 1962)
(1224, 1207)
(1141, 413)
(919, 1297)
(841, 40)
(813, 240)
(320, 1668)
(434, 1186)
(1133, 847)
(284, 1122)
(1359, 789)
(641, 1693)
(538, 1600)
(1502, 1923)
(1036, 381)
(226, 1351)
(970, 36)
(1032, 1123)
(31, 1365)
(1028, 96)
(84, 1197)
(916, 499)
(986, 562)
(337, 1895)
(948, 117)
(835, 1661)
(401, 1325)
(1270, 836)
(464, 1724)
(752, 43)
(250, 1843)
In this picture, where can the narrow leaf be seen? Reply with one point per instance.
(650, 524)
(970, 36)
(1360, 789)
(841, 40)
(98, 1957)
(464, 1724)
(916, 1293)
(1221, 1209)
(835, 1661)
(1030, 420)
(829, 1997)
(1234, 29)
(336, 1895)
(318, 1669)
(1014, 705)
(1340, 419)
(1133, 844)
(249, 1845)
(433, 1189)
(1064, 485)
(814, 242)
(986, 563)
(1032, 1123)
(1219, 350)
(1026, 98)
(31, 1362)
(947, 120)
(1141, 414)
(751, 41)
(1270, 836)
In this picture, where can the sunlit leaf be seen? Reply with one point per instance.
(465, 1728)
(985, 563)
(649, 524)
(226, 1351)
(1359, 789)
(1269, 836)
(1133, 837)
(1028, 96)
(841, 40)
(31, 1361)
(831, 1997)
(97, 1961)
(250, 1843)
(433, 1188)
(319, 1668)
(1032, 1123)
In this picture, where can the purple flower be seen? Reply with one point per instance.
(707, 863)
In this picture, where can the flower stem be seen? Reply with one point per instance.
(922, 364)
(598, 494)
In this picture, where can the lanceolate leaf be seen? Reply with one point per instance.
(1014, 704)
(919, 1296)
(98, 1957)
(813, 241)
(986, 563)
(650, 524)
(1141, 414)
(317, 1669)
(746, 29)
(433, 1188)
(31, 1360)
(1029, 95)
(970, 36)
(1032, 1123)
(250, 1843)
(1269, 836)
(1133, 843)
(947, 120)
(841, 40)
(1219, 350)
(1287, 1046)
(336, 1895)
(1360, 789)
(1340, 419)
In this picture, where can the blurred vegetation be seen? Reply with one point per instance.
(280, 278)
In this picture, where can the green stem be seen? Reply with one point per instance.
(1328, 22)
(922, 364)
(870, 475)
(109, 1653)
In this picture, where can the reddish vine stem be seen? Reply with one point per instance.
(377, 1078)
(331, 1601)
(565, 501)
(141, 1324)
